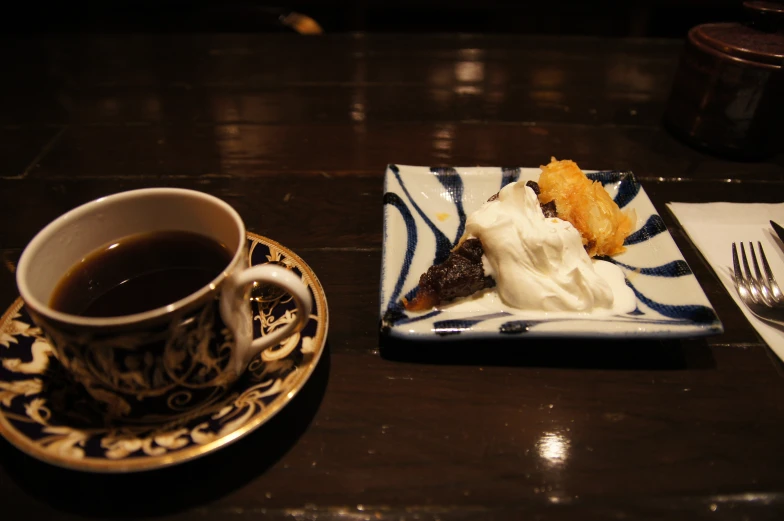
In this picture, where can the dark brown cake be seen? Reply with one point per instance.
(460, 275)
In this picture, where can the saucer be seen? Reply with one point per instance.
(45, 415)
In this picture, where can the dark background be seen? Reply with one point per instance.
(643, 18)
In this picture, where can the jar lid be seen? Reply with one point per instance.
(740, 41)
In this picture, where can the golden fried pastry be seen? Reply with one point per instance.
(587, 205)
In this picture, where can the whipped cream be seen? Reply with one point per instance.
(538, 263)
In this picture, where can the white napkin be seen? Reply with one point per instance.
(713, 227)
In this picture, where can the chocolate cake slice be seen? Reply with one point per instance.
(460, 275)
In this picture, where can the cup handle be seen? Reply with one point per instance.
(233, 309)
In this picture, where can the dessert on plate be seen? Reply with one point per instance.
(533, 244)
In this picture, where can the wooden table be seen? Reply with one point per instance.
(295, 133)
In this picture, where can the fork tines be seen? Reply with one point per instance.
(760, 288)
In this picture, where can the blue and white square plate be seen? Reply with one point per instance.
(425, 211)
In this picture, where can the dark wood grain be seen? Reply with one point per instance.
(296, 134)
(22, 147)
(433, 99)
(240, 79)
(249, 150)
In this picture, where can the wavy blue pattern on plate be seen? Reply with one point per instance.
(454, 187)
(691, 312)
(670, 302)
(456, 326)
(628, 186)
(395, 201)
(443, 244)
(607, 176)
(652, 227)
(509, 175)
(516, 327)
(672, 269)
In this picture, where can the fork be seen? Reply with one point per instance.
(760, 292)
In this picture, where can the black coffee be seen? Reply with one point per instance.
(139, 273)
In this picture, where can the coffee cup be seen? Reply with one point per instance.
(96, 281)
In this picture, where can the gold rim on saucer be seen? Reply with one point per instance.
(50, 419)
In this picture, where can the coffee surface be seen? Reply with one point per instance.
(139, 273)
